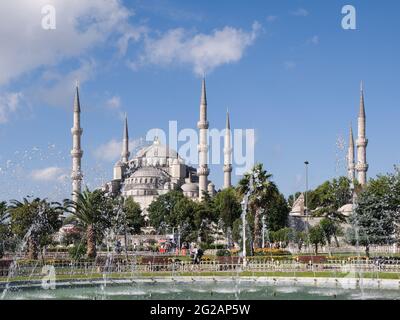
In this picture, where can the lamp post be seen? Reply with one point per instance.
(263, 231)
(244, 205)
(179, 239)
(305, 194)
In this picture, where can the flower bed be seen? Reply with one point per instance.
(271, 252)
(313, 259)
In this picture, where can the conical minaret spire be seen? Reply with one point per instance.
(125, 142)
(350, 157)
(227, 154)
(362, 142)
(76, 151)
(203, 170)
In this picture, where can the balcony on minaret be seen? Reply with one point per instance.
(203, 170)
(202, 124)
(76, 153)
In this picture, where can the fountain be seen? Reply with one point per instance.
(108, 278)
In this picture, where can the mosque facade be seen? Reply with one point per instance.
(156, 169)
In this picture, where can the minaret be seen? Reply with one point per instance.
(362, 166)
(203, 170)
(76, 151)
(227, 154)
(125, 143)
(350, 157)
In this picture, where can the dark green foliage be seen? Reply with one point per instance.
(282, 236)
(223, 253)
(227, 207)
(331, 228)
(317, 237)
(264, 200)
(94, 213)
(37, 220)
(77, 252)
(133, 216)
(377, 212)
(327, 198)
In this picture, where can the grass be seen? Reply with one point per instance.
(304, 274)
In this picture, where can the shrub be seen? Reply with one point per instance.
(271, 252)
(77, 252)
(223, 253)
(210, 246)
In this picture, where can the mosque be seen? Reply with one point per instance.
(155, 169)
(298, 216)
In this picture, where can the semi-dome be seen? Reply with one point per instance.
(119, 163)
(147, 172)
(346, 210)
(157, 150)
(190, 187)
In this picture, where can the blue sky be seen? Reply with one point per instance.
(285, 68)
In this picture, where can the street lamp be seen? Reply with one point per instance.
(305, 194)
(244, 207)
(179, 239)
(263, 231)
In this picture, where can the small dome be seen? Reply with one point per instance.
(147, 172)
(118, 164)
(346, 210)
(157, 150)
(190, 187)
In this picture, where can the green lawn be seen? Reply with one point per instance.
(320, 274)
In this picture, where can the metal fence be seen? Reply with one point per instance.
(130, 269)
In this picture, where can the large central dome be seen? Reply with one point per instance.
(157, 150)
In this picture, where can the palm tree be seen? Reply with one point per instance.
(34, 222)
(89, 209)
(4, 226)
(264, 191)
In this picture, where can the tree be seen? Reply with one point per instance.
(161, 211)
(204, 219)
(174, 210)
(282, 236)
(92, 209)
(4, 227)
(317, 237)
(133, 214)
(300, 238)
(35, 222)
(265, 199)
(328, 197)
(227, 208)
(331, 228)
(377, 213)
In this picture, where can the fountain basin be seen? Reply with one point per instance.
(203, 287)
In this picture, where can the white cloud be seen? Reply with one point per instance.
(203, 52)
(130, 34)
(111, 150)
(314, 40)
(271, 18)
(57, 89)
(9, 103)
(289, 65)
(114, 102)
(80, 26)
(48, 174)
(301, 12)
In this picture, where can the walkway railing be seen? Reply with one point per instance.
(83, 269)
